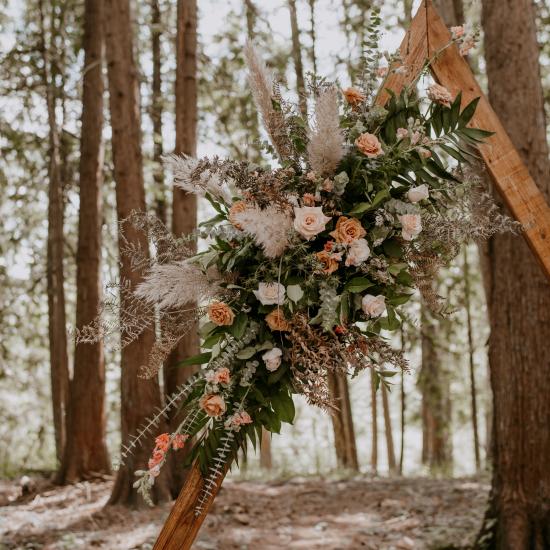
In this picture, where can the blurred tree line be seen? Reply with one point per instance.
(95, 92)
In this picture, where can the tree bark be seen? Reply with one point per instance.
(342, 422)
(471, 351)
(452, 11)
(297, 58)
(184, 206)
(57, 330)
(86, 451)
(156, 111)
(519, 300)
(265, 451)
(374, 434)
(139, 397)
(388, 431)
(437, 450)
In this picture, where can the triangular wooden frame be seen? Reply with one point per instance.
(427, 35)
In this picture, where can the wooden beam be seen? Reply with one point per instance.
(509, 174)
(182, 525)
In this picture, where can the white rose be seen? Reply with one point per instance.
(309, 221)
(411, 226)
(270, 294)
(373, 306)
(419, 193)
(358, 252)
(272, 359)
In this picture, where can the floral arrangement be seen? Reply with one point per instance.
(308, 263)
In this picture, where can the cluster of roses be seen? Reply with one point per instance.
(163, 443)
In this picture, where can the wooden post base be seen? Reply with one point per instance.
(182, 525)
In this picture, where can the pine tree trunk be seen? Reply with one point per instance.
(86, 451)
(297, 58)
(139, 397)
(437, 450)
(57, 331)
(519, 298)
(342, 422)
(388, 431)
(452, 11)
(265, 451)
(374, 434)
(184, 206)
(471, 350)
(156, 111)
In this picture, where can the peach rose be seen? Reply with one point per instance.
(212, 404)
(237, 208)
(411, 226)
(309, 221)
(358, 252)
(348, 230)
(272, 359)
(222, 376)
(220, 314)
(156, 459)
(373, 306)
(329, 261)
(369, 145)
(276, 321)
(353, 96)
(418, 193)
(440, 94)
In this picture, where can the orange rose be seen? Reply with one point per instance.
(353, 96)
(220, 314)
(348, 230)
(276, 321)
(212, 404)
(237, 208)
(369, 145)
(329, 261)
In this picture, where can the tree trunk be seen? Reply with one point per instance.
(374, 434)
(437, 450)
(57, 330)
(452, 11)
(403, 409)
(388, 431)
(265, 450)
(519, 299)
(139, 397)
(297, 58)
(184, 206)
(86, 450)
(342, 422)
(471, 351)
(312, 34)
(156, 111)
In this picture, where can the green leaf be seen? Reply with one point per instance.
(453, 153)
(198, 359)
(358, 284)
(360, 208)
(400, 299)
(455, 111)
(468, 112)
(294, 292)
(393, 248)
(246, 353)
(275, 376)
(365, 206)
(239, 325)
(475, 134)
(283, 405)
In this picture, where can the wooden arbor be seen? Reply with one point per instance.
(427, 38)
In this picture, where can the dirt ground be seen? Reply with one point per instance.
(309, 514)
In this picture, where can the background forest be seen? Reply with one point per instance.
(92, 95)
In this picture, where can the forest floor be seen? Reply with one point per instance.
(297, 513)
